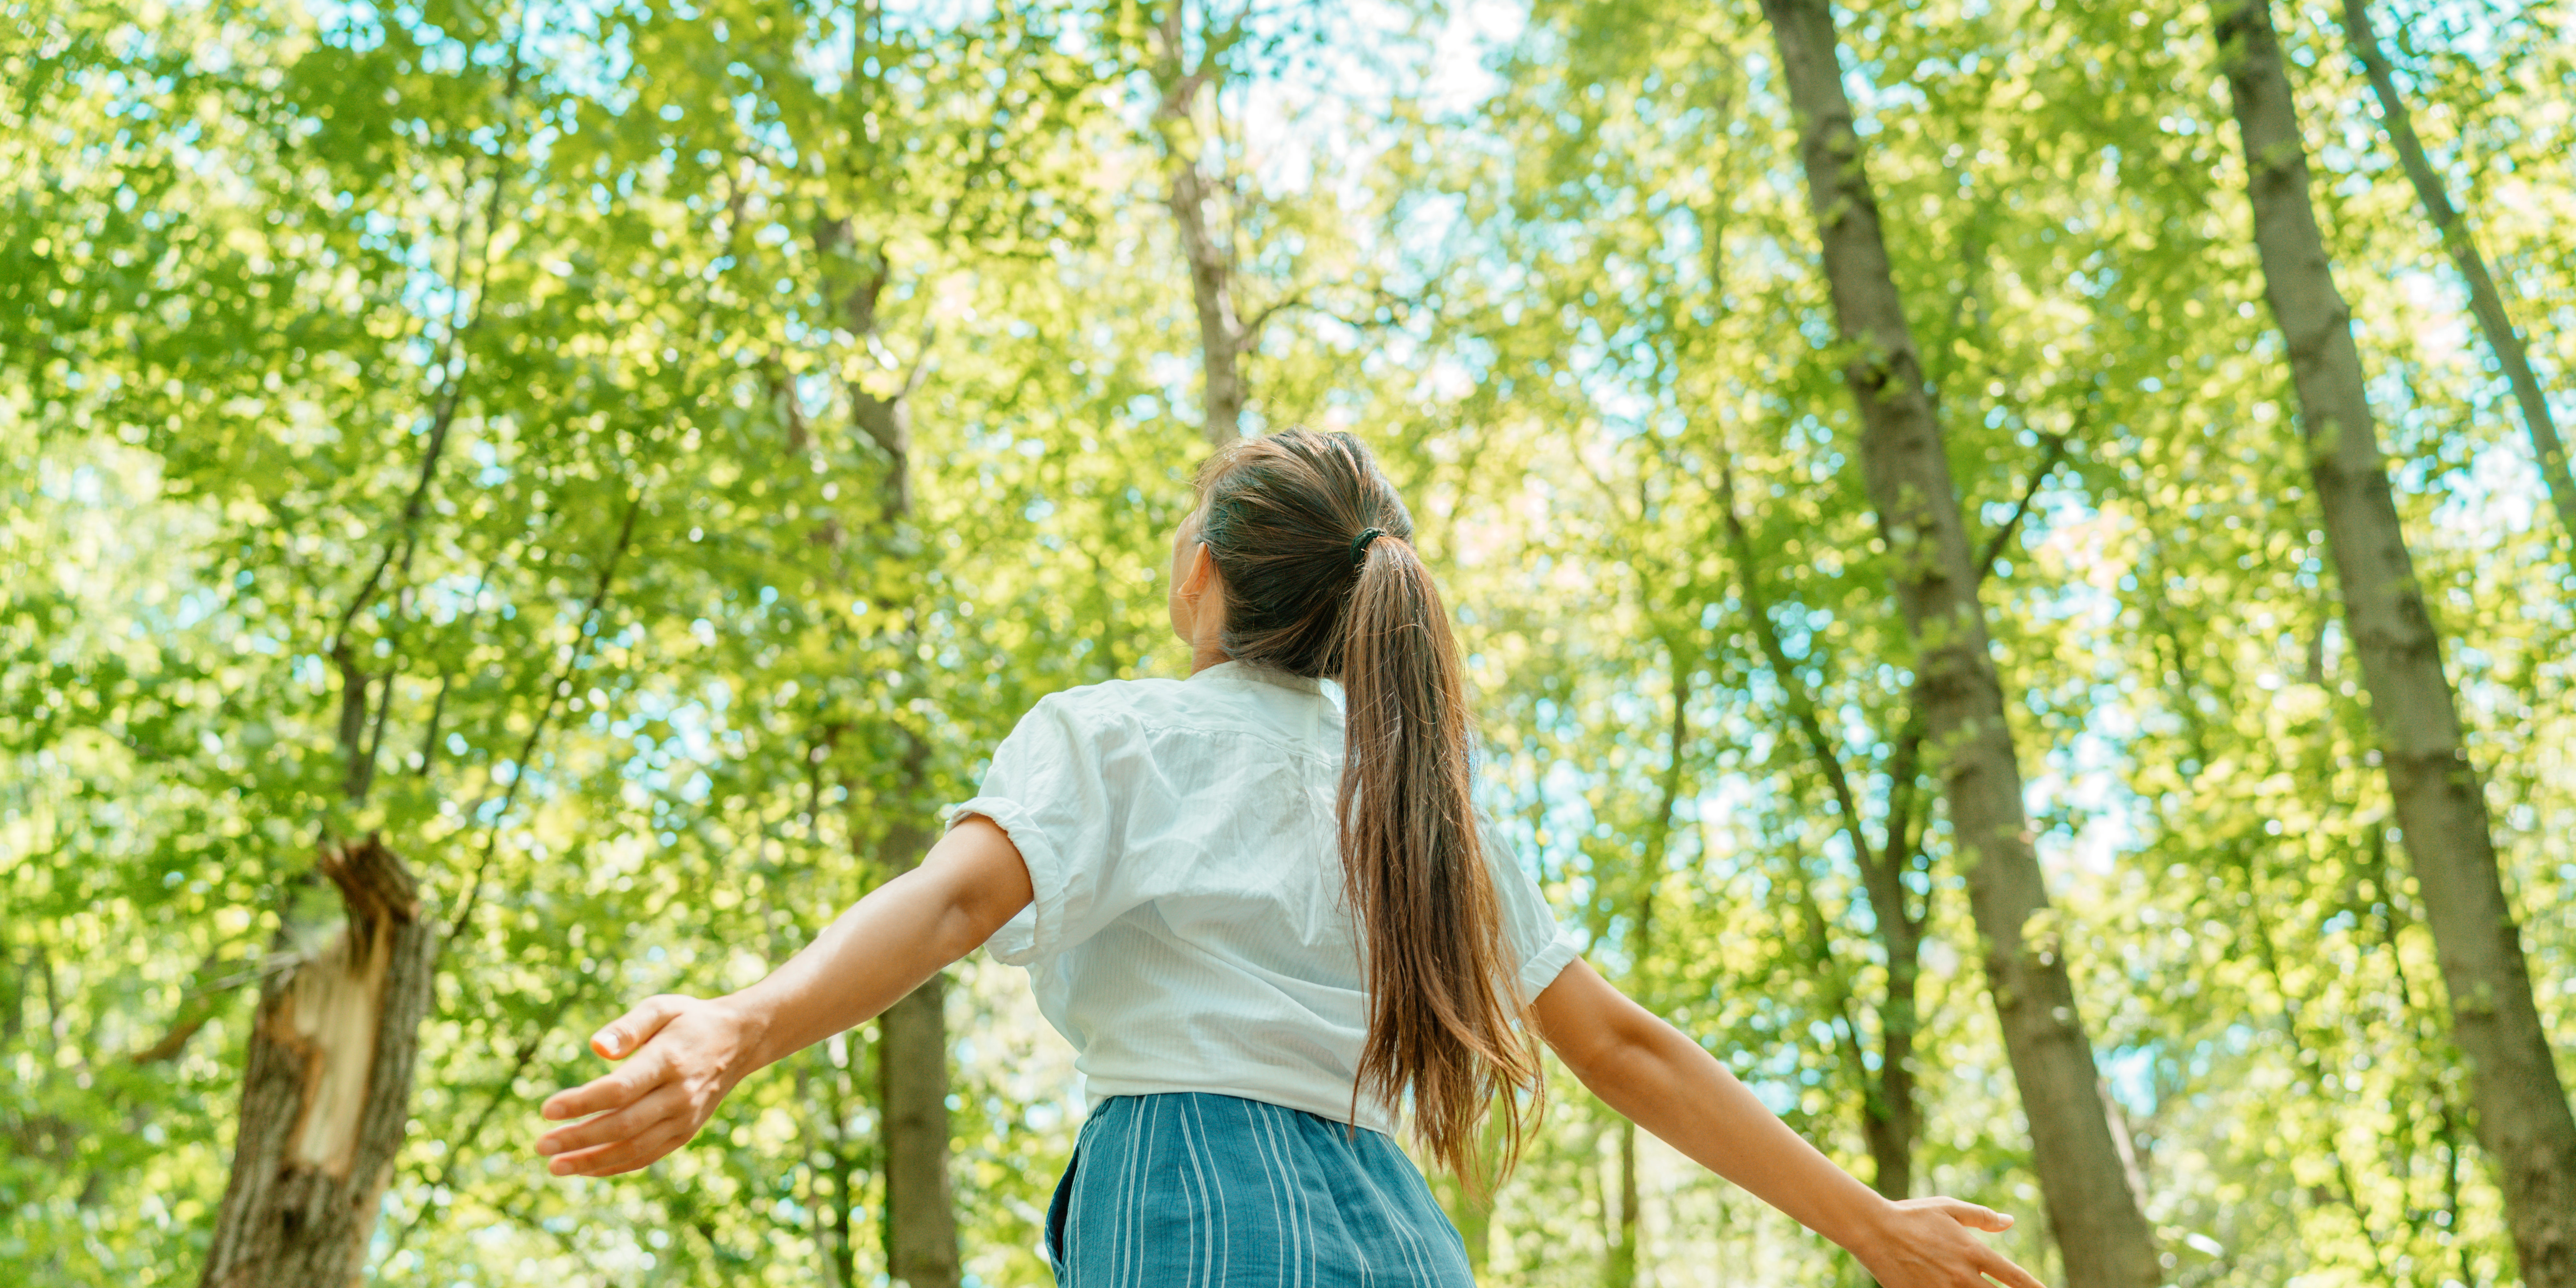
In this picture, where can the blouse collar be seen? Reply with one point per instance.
(1271, 675)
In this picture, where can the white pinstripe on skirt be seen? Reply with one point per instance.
(1195, 1190)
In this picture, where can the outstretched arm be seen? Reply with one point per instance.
(1649, 1071)
(689, 1052)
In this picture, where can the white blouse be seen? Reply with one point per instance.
(1189, 931)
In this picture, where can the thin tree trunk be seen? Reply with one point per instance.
(912, 1036)
(912, 1094)
(2486, 303)
(1208, 252)
(1889, 1119)
(1221, 334)
(328, 1087)
(2308, 1055)
(823, 1090)
(1621, 1270)
(2521, 1109)
(2103, 1238)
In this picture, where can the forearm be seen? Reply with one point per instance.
(683, 1055)
(1662, 1081)
(1668, 1085)
(887, 943)
(874, 953)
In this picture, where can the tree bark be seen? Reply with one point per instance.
(1221, 334)
(2522, 1113)
(822, 1093)
(328, 1088)
(912, 1090)
(2486, 303)
(920, 1223)
(1208, 253)
(2101, 1235)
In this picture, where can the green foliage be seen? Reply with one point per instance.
(487, 362)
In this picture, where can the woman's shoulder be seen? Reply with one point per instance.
(1114, 710)
(1115, 703)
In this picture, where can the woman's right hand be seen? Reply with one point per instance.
(684, 1054)
(1926, 1243)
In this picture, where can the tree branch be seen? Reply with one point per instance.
(2057, 445)
(537, 730)
(1802, 706)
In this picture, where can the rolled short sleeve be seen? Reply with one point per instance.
(1049, 788)
(1540, 947)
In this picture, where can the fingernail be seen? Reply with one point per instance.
(548, 1147)
(605, 1040)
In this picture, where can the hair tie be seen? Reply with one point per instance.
(1360, 544)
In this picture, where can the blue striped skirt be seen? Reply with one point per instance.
(1189, 1189)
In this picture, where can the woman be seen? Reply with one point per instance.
(1271, 924)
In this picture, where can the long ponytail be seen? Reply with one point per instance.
(1321, 578)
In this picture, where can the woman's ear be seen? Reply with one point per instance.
(1202, 563)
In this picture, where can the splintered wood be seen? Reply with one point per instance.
(325, 1095)
(332, 1004)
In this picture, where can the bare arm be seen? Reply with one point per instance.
(689, 1052)
(1651, 1072)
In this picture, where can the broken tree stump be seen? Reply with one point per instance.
(327, 1091)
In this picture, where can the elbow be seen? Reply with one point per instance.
(1614, 1051)
(1603, 1038)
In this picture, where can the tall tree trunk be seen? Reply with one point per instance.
(912, 1036)
(1207, 251)
(328, 1087)
(2486, 303)
(1222, 339)
(912, 1086)
(2103, 1238)
(2522, 1112)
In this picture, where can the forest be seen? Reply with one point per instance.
(2018, 560)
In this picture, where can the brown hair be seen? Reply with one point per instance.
(1307, 590)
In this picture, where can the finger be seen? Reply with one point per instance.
(629, 1032)
(626, 1155)
(614, 1091)
(1975, 1217)
(2005, 1272)
(624, 1124)
(608, 1156)
(653, 1150)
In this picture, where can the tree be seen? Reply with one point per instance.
(2100, 1231)
(1207, 248)
(2486, 303)
(2522, 1115)
(328, 1089)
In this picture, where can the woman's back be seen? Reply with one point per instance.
(1191, 929)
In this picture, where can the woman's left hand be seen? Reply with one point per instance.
(1925, 1243)
(686, 1054)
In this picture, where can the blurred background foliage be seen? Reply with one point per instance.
(445, 419)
